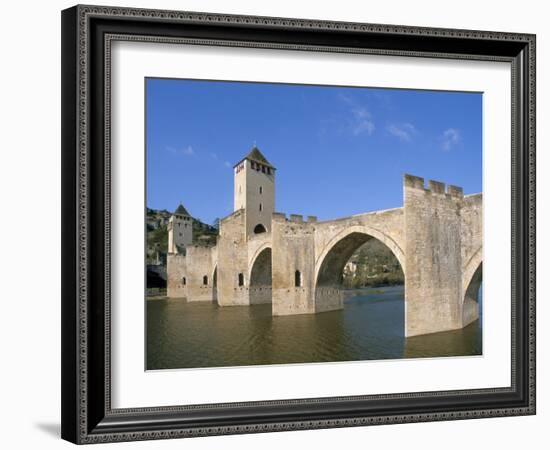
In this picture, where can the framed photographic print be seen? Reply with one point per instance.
(278, 224)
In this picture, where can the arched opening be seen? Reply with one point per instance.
(362, 272)
(471, 309)
(258, 229)
(260, 278)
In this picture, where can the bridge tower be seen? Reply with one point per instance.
(254, 191)
(180, 230)
(434, 235)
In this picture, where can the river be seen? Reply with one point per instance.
(371, 326)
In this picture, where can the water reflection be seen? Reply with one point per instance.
(371, 326)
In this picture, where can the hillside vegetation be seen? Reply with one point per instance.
(157, 234)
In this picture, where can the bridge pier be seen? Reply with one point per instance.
(233, 261)
(433, 278)
(293, 265)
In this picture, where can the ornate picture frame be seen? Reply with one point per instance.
(87, 35)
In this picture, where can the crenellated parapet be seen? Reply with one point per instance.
(434, 187)
(295, 218)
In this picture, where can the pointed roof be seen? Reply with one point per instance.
(181, 211)
(256, 155)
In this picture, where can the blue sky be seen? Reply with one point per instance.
(338, 151)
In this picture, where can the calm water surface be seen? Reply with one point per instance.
(371, 326)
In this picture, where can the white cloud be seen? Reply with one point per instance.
(362, 121)
(450, 138)
(404, 132)
(346, 99)
(187, 151)
(201, 154)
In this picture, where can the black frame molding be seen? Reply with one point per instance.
(87, 31)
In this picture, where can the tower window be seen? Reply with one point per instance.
(263, 169)
(183, 281)
(241, 279)
(205, 280)
(261, 189)
(260, 206)
(297, 279)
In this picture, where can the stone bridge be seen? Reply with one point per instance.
(436, 237)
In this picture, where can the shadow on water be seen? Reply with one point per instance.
(371, 326)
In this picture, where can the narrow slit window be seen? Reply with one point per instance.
(297, 279)
(241, 279)
(205, 280)
(183, 281)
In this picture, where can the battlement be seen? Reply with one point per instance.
(296, 218)
(412, 181)
(279, 216)
(455, 191)
(434, 187)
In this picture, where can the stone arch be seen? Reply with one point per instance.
(356, 232)
(260, 277)
(255, 253)
(331, 261)
(471, 283)
(470, 268)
